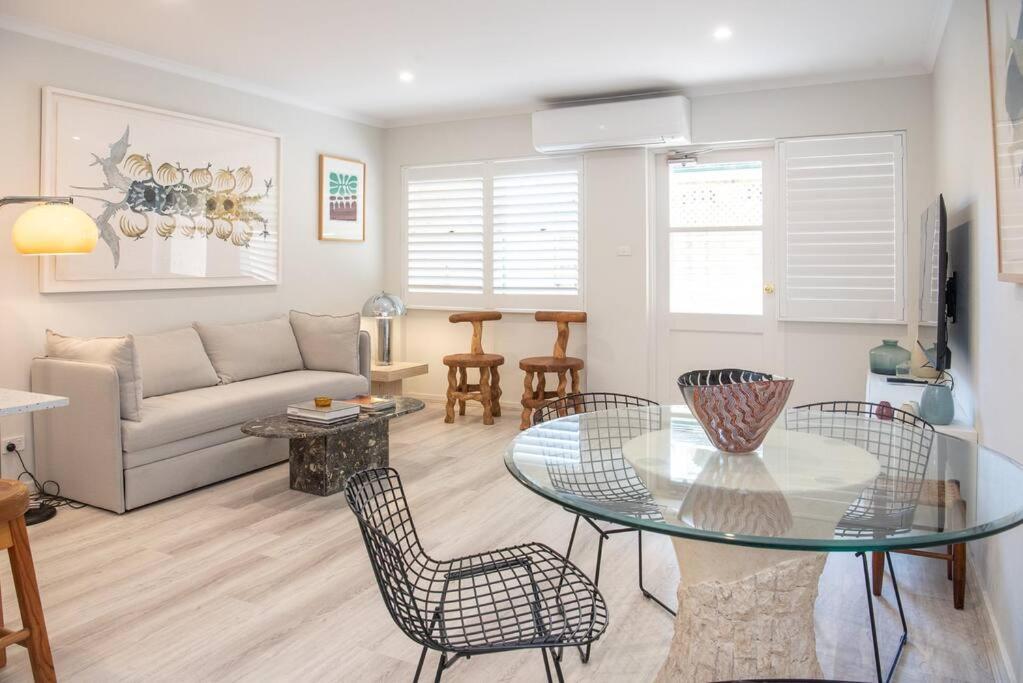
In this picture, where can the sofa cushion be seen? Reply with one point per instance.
(116, 351)
(327, 342)
(173, 417)
(173, 361)
(250, 350)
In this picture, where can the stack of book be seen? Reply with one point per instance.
(371, 404)
(336, 413)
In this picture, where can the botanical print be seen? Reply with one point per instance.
(180, 201)
(1005, 31)
(175, 201)
(342, 199)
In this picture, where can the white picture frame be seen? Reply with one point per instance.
(166, 168)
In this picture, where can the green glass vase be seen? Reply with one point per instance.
(885, 359)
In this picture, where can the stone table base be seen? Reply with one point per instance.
(321, 465)
(743, 613)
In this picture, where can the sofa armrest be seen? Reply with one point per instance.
(79, 446)
(365, 355)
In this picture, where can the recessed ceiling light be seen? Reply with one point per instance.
(406, 76)
(722, 33)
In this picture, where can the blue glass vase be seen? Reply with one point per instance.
(886, 358)
(936, 405)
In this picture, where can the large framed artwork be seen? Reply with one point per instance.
(1005, 54)
(342, 199)
(180, 201)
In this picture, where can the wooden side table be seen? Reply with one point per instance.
(387, 379)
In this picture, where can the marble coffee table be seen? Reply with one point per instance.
(322, 458)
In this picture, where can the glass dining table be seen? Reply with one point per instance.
(752, 532)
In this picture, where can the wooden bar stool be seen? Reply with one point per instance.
(14, 537)
(488, 390)
(535, 395)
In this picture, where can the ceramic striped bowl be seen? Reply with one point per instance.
(736, 408)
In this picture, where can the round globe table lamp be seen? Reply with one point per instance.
(385, 308)
(53, 227)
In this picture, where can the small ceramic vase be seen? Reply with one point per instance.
(936, 404)
(885, 359)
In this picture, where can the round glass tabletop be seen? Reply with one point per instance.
(822, 480)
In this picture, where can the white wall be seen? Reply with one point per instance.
(617, 334)
(986, 343)
(318, 276)
(829, 360)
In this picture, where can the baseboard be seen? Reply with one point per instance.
(1001, 665)
(429, 398)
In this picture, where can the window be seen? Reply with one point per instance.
(716, 218)
(843, 228)
(498, 234)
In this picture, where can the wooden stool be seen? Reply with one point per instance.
(488, 391)
(14, 537)
(537, 367)
(947, 498)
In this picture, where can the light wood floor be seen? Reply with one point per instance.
(248, 580)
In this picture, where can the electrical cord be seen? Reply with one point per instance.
(41, 495)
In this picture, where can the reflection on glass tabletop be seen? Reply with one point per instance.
(821, 481)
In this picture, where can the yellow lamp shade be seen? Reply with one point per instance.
(54, 229)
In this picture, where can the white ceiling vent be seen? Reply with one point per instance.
(626, 123)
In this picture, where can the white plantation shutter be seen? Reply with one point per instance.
(498, 234)
(843, 228)
(536, 228)
(445, 217)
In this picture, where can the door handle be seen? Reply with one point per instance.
(769, 289)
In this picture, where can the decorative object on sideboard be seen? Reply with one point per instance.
(884, 411)
(180, 201)
(385, 308)
(1005, 52)
(921, 366)
(885, 359)
(736, 408)
(911, 407)
(54, 227)
(342, 199)
(936, 404)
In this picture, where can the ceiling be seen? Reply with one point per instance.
(486, 57)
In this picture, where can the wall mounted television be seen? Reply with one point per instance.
(937, 287)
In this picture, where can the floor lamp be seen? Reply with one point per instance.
(53, 226)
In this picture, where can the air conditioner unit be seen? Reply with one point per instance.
(606, 125)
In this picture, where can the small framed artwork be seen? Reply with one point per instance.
(342, 199)
(1005, 52)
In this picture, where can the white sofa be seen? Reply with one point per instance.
(179, 441)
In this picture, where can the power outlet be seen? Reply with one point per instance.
(18, 440)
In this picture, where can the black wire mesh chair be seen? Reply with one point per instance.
(519, 597)
(902, 444)
(602, 473)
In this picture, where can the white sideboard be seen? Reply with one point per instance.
(879, 389)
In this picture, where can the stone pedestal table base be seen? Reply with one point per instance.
(321, 465)
(743, 613)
